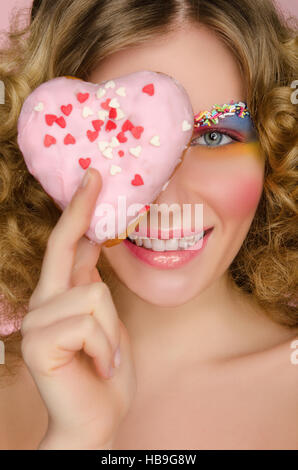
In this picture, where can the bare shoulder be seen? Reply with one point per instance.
(23, 415)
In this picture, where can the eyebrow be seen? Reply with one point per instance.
(206, 118)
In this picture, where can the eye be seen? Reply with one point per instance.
(214, 138)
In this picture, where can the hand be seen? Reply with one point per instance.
(71, 333)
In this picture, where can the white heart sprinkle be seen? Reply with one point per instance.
(155, 141)
(110, 84)
(103, 144)
(114, 142)
(135, 151)
(102, 114)
(39, 107)
(120, 114)
(114, 103)
(121, 91)
(186, 126)
(115, 169)
(108, 152)
(87, 112)
(100, 92)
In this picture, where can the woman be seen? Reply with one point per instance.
(206, 347)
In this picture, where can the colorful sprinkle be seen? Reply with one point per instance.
(110, 126)
(50, 119)
(84, 162)
(61, 122)
(97, 123)
(137, 131)
(113, 113)
(66, 109)
(82, 97)
(206, 118)
(69, 139)
(49, 140)
(149, 89)
(105, 104)
(115, 169)
(39, 107)
(127, 126)
(135, 151)
(137, 181)
(87, 112)
(92, 135)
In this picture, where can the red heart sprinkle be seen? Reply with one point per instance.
(66, 109)
(105, 104)
(69, 139)
(92, 135)
(120, 153)
(149, 89)
(137, 131)
(121, 137)
(97, 124)
(49, 140)
(137, 181)
(110, 126)
(61, 122)
(113, 113)
(84, 162)
(127, 126)
(50, 119)
(82, 97)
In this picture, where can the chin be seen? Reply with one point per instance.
(160, 289)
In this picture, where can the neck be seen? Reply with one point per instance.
(211, 326)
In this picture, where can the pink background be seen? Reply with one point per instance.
(7, 6)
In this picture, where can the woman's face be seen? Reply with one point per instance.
(223, 175)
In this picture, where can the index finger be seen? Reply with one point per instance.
(62, 244)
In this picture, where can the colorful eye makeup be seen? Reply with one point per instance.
(205, 118)
(232, 120)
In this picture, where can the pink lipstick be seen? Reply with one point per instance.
(170, 259)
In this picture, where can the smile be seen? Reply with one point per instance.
(167, 254)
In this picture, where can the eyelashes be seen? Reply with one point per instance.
(209, 137)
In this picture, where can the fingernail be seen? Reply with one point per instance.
(117, 357)
(86, 179)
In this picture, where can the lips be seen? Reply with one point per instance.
(168, 259)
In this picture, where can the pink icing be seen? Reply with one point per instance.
(166, 113)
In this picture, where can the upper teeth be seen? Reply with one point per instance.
(156, 244)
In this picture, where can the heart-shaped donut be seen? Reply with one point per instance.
(134, 129)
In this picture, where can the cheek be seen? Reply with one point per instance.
(236, 195)
(231, 180)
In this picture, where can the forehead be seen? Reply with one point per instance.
(194, 56)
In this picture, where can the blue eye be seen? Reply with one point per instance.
(214, 138)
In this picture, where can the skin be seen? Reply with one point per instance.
(228, 181)
(203, 355)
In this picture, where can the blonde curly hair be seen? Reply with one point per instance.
(71, 37)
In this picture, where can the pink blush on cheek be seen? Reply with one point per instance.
(239, 196)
